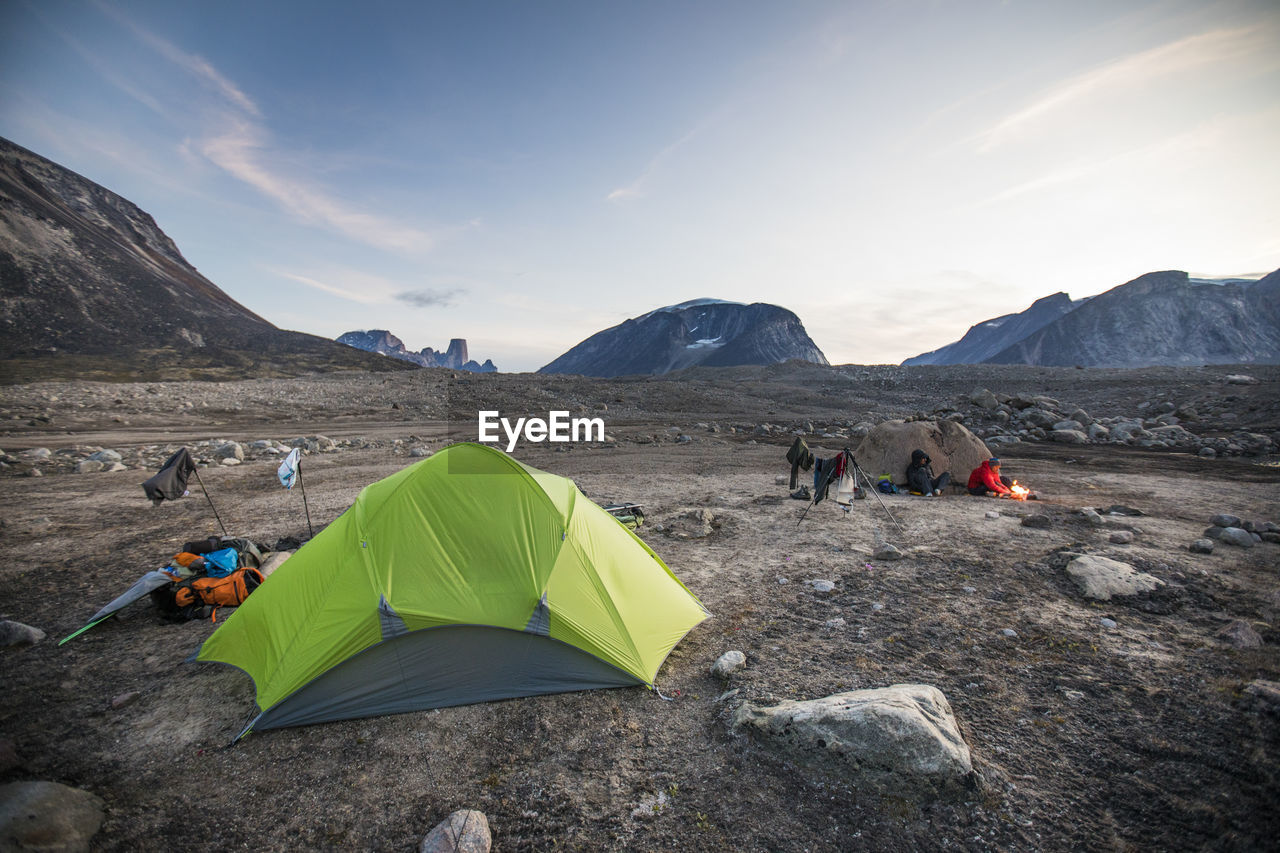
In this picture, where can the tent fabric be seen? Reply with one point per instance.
(145, 584)
(466, 537)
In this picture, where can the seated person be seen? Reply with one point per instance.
(985, 481)
(920, 479)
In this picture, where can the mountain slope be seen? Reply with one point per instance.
(1162, 318)
(384, 343)
(90, 286)
(990, 337)
(708, 332)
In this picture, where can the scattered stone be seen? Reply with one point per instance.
(1068, 436)
(1241, 635)
(89, 466)
(1268, 536)
(272, 561)
(1122, 537)
(420, 451)
(1100, 578)
(1107, 623)
(1121, 509)
(125, 699)
(1092, 516)
(1241, 379)
(1010, 633)
(230, 450)
(464, 831)
(993, 514)
(1236, 536)
(1202, 546)
(837, 622)
(1037, 521)
(1225, 520)
(728, 663)
(984, 399)
(821, 585)
(897, 740)
(885, 551)
(17, 634)
(106, 457)
(1213, 532)
(48, 816)
(1265, 693)
(1207, 452)
(781, 480)
(229, 461)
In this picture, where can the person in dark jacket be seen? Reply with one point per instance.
(920, 478)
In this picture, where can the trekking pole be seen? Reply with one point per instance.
(876, 492)
(304, 498)
(204, 489)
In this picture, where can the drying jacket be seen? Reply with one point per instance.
(800, 458)
(170, 483)
(985, 477)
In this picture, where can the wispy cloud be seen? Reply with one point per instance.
(637, 188)
(243, 147)
(1188, 54)
(429, 298)
(354, 294)
(193, 63)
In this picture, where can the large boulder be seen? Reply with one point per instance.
(887, 449)
(48, 816)
(464, 831)
(894, 740)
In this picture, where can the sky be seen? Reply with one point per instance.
(523, 174)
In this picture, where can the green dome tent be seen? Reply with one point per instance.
(466, 577)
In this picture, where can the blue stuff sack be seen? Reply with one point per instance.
(219, 564)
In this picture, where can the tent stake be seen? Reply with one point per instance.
(210, 500)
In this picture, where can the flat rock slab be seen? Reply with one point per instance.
(1100, 578)
(47, 816)
(898, 740)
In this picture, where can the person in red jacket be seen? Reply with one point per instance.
(985, 481)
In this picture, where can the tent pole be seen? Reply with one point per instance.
(304, 497)
(196, 471)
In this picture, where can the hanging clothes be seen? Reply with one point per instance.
(800, 458)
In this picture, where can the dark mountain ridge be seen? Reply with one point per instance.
(383, 342)
(1161, 318)
(706, 332)
(90, 286)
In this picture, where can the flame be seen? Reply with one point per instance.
(1019, 492)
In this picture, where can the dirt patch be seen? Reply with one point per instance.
(1085, 736)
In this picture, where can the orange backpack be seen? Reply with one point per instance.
(191, 596)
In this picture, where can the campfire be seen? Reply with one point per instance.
(1020, 493)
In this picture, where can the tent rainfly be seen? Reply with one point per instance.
(466, 577)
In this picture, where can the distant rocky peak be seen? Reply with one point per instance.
(382, 341)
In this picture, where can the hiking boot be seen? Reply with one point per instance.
(937, 493)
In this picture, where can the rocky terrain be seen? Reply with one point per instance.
(1158, 318)
(709, 332)
(91, 287)
(1098, 668)
(384, 343)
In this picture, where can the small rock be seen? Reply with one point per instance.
(837, 622)
(1010, 633)
(1207, 453)
(125, 699)
(106, 457)
(1107, 623)
(885, 551)
(48, 816)
(1122, 537)
(1202, 546)
(821, 585)
(1241, 379)
(1241, 635)
(781, 480)
(1236, 536)
(89, 466)
(728, 663)
(1036, 521)
(1225, 520)
(17, 634)
(420, 451)
(230, 450)
(969, 590)
(993, 514)
(229, 461)
(1268, 536)
(464, 831)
